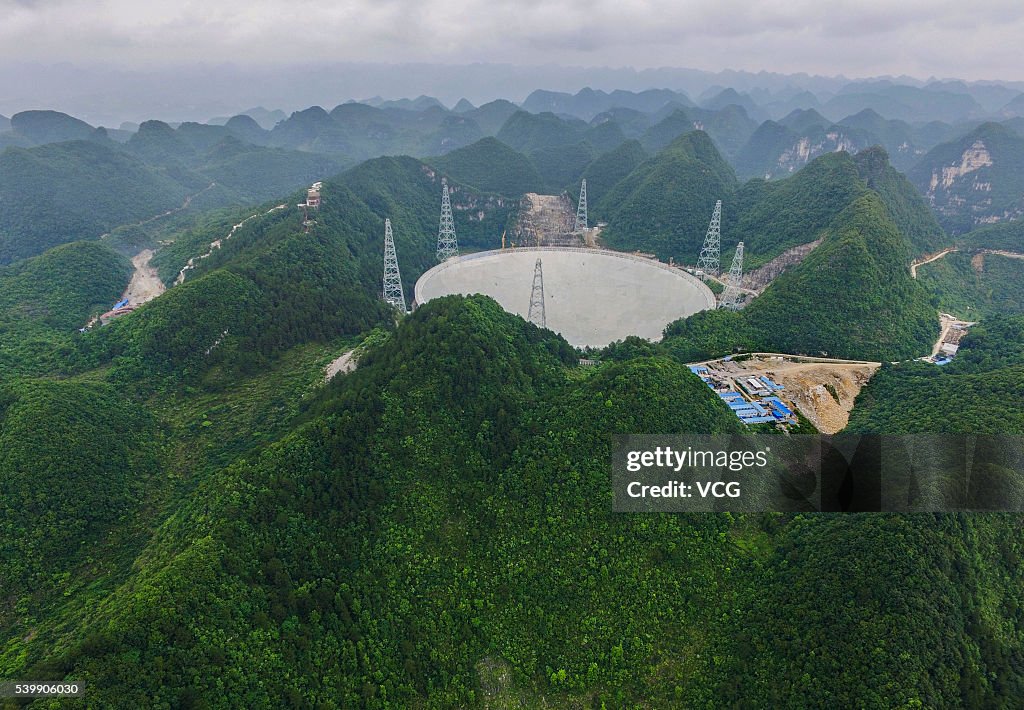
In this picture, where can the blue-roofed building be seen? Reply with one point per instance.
(778, 405)
(774, 386)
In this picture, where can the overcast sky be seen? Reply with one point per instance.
(922, 38)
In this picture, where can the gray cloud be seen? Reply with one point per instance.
(853, 37)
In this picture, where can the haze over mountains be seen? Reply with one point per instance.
(109, 95)
(960, 144)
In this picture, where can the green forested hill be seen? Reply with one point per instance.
(527, 132)
(303, 537)
(62, 494)
(665, 204)
(43, 300)
(906, 207)
(658, 136)
(609, 169)
(256, 174)
(842, 618)
(776, 150)
(64, 192)
(491, 166)
(976, 393)
(851, 297)
(903, 142)
(1007, 235)
(60, 288)
(760, 156)
(729, 127)
(273, 287)
(191, 517)
(439, 532)
(49, 127)
(770, 217)
(560, 166)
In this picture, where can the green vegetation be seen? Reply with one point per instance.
(191, 517)
(272, 287)
(729, 128)
(1008, 236)
(851, 297)
(527, 132)
(908, 210)
(662, 134)
(64, 192)
(664, 205)
(477, 166)
(561, 166)
(970, 293)
(61, 495)
(44, 300)
(607, 170)
(254, 174)
(899, 138)
(284, 542)
(979, 392)
(761, 156)
(770, 217)
(881, 611)
(49, 127)
(399, 550)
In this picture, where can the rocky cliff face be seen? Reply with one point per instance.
(975, 180)
(807, 148)
(973, 158)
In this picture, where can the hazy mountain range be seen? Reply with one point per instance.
(108, 95)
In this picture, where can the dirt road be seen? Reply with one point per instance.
(215, 244)
(947, 324)
(930, 259)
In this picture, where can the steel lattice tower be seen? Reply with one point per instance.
(393, 293)
(731, 296)
(447, 244)
(708, 262)
(581, 209)
(536, 312)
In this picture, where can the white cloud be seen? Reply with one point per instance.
(854, 37)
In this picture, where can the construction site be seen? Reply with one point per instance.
(771, 387)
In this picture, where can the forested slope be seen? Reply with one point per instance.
(62, 192)
(45, 299)
(665, 204)
(193, 518)
(851, 297)
(974, 286)
(439, 532)
(976, 393)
